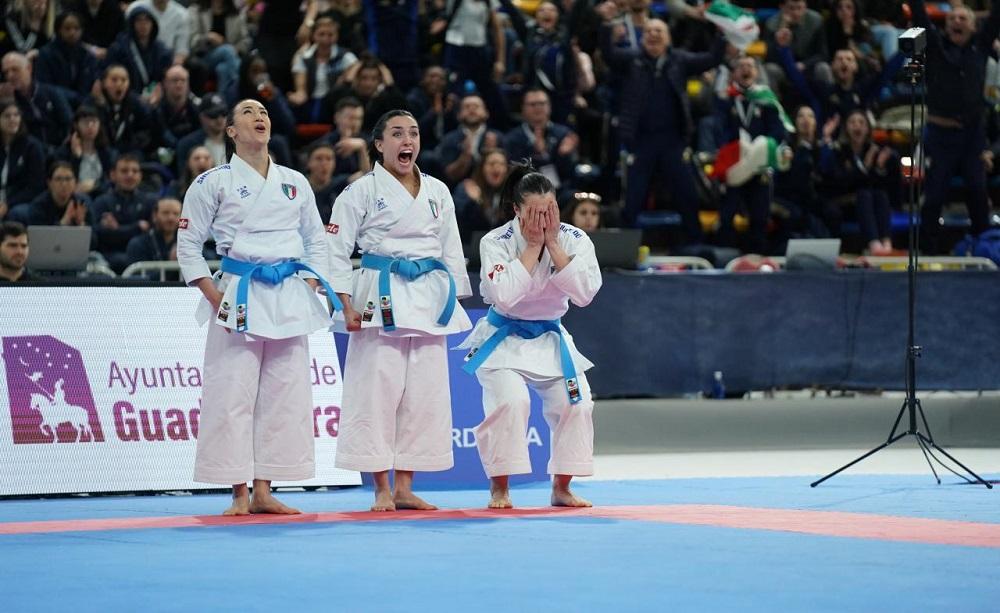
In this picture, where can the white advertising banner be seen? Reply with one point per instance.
(102, 391)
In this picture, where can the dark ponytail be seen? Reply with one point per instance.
(379, 130)
(521, 181)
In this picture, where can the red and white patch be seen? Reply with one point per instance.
(182, 223)
(496, 270)
(332, 228)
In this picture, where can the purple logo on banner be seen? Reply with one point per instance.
(49, 393)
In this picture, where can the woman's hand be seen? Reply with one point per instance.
(352, 319)
(551, 225)
(532, 228)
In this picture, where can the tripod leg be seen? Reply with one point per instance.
(899, 418)
(872, 452)
(923, 449)
(923, 417)
(949, 456)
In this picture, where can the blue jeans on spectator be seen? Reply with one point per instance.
(663, 156)
(226, 63)
(887, 38)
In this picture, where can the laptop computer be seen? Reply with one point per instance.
(825, 250)
(58, 248)
(617, 247)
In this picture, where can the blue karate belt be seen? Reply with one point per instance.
(271, 274)
(409, 270)
(526, 329)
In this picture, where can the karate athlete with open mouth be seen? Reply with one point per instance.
(256, 418)
(532, 268)
(399, 308)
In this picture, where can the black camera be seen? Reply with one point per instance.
(913, 42)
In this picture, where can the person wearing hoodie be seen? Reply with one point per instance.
(145, 57)
(65, 62)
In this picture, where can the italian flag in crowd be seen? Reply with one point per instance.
(739, 161)
(739, 26)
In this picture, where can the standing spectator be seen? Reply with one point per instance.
(956, 134)
(43, 108)
(655, 121)
(58, 205)
(66, 63)
(174, 26)
(22, 160)
(125, 119)
(102, 20)
(394, 37)
(808, 43)
(158, 243)
(14, 253)
(145, 57)
(176, 115)
(88, 151)
(316, 70)
(551, 147)
(27, 26)
(326, 186)
(123, 212)
(219, 36)
(461, 149)
(211, 135)
(477, 199)
(550, 62)
(275, 40)
(199, 160)
(472, 26)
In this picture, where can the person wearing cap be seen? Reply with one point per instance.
(212, 134)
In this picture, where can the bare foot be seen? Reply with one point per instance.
(566, 498)
(409, 500)
(500, 499)
(383, 501)
(266, 503)
(240, 506)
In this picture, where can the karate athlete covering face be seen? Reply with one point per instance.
(256, 420)
(399, 308)
(532, 268)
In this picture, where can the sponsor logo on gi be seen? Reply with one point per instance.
(369, 311)
(244, 192)
(496, 269)
(182, 223)
(380, 204)
(332, 228)
(49, 393)
(289, 190)
(224, 311)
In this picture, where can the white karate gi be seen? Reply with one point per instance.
(256, 419)
(517, 362)
(397, 406)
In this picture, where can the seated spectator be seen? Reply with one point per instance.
(846, 28)
(477, 199)
(66, 63)
(887, 21)
(27, 26)
(370, 81)
(22, 160)
(325, 185)
(87, 149)
(173, 25)
(254, 82)
(176, 115)
(126, 120)
(145, 57)
(59, 204)
(14, 253)
(123, 212)
(859, 172)
(807, 43)
(102, 20)
(551, 147)
(346, 139)
(211, 135)
(584, 212)
(219, 36)
(433, 107)
(43, 109)
(159, 242)
(316, 70)
(199, 159)
(796, 189)
(461, 149)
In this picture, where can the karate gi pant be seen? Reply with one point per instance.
(397, 404)
(502, 436)
(256, 416)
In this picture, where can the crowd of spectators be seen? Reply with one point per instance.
(109, 109)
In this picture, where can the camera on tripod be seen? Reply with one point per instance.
(913, 42)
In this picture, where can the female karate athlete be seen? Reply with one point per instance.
(532, 268)
(399, 308)
(256, 419)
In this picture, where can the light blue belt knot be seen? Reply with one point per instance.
(409, 270)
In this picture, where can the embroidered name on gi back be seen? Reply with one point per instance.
(571, 231)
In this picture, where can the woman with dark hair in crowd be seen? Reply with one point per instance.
(22, 160)
(846, 28)
(858, 171)
(256, 418)
(199, 160)
(316, 70)
(59, 204)
(796, 188)
(399, 308)
(26, 26)
(254, 83)
(532, 268)
(477, 199)
(88, 150)
(219, 36)
(102, 20)
(66, 62)
(584, 211)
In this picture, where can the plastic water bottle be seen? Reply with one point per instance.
(718, 385)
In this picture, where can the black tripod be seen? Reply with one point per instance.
(911, 405)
